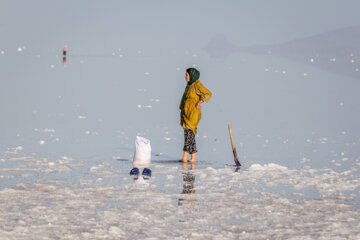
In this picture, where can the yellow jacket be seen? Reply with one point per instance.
(192, 115)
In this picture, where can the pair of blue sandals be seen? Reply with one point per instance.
(145, 172)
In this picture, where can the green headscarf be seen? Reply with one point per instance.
(194, 75)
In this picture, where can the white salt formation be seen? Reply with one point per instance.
(267, 201)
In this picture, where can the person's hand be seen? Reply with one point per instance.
(198, 105)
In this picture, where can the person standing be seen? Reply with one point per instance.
(65, 51)
(194, 95)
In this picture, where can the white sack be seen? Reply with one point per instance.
(142, 156)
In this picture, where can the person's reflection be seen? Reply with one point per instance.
(64, 55)
(188, 183)
(64, 61)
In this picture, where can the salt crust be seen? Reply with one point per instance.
(223, 205)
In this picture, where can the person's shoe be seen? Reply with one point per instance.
(146, 172)
(134, 171)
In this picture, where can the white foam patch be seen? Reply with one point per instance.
(14, 150)
(270, 167)
(48, 130)
(144, 106)
(101, 166)
(28, 166)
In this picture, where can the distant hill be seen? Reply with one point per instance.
(219, 46)
(335, 51)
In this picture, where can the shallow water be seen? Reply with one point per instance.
(68, 139)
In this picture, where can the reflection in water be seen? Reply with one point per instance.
(189, 180)
(141, 182)
(188, 183)
(64, 56)
(64, 61)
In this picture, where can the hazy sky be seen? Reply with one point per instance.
(169, 23)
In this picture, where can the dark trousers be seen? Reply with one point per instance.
(189, 143)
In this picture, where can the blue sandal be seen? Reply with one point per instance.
(134, 171)
(146, 172)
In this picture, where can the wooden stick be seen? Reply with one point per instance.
(233, 148)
